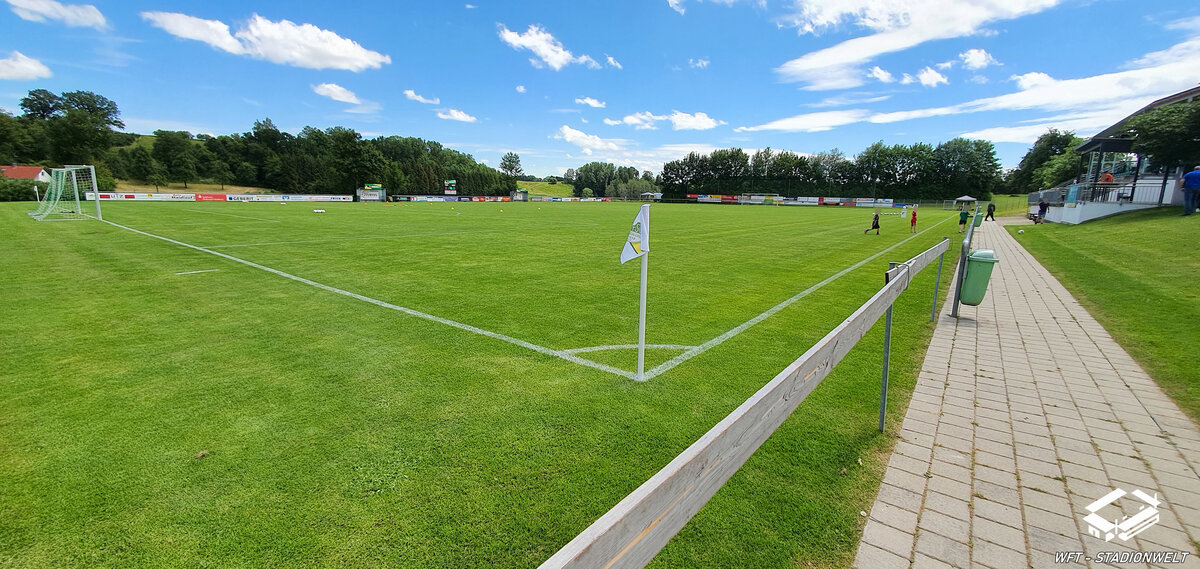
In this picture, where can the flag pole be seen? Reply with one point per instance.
(641, 318)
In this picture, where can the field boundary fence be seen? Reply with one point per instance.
(640, 525)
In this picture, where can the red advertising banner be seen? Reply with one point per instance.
(726, 198)
(693, 196)
(210, 197)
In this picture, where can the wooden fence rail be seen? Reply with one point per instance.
(639, 526)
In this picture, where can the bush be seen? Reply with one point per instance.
(20, 190)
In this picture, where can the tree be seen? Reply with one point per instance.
(1048, 145)
(511, 164)
(41, 104)
(1170, 135)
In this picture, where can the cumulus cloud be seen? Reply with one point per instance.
(455, 115)
(590, 102)
(698, 63)
(72, 15)
(699, 121)
(588, 143)
(897, 25)
(548, 50)
(613, 62)
(880, 74)
(336, 92)
(975, 59)
(520, 88)
(413, 96)
(18, 67)
(945, 64)
(929, 77)
(680, 120)
(284, 42)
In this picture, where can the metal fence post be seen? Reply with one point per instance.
(937, 284)
(887, 355)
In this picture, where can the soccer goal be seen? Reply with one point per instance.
(67, 196)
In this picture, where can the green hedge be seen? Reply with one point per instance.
(20, 190)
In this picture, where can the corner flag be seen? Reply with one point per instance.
(638, 243)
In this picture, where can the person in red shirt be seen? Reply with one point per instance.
(1106, 178)
(913, 221)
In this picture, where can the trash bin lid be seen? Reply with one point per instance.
(983, 256)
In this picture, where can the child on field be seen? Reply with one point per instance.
(913, 221)
(962, 219)
(874, 224)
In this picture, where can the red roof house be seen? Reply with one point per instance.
(35, 173)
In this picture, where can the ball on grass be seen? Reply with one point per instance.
(1020, 231)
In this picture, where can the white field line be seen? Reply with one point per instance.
(540, 349)
(693, 352)
(231, 215)
(401, 236)
(626, 347)
(197, 272)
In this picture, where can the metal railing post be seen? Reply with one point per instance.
(887, 354)
(937, 284)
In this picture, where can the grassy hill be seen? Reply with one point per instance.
(547, 189)
(192, 187)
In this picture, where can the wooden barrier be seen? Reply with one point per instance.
(639, 526)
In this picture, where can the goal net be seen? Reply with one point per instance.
(66, 198)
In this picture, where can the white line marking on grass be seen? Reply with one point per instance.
(625, 347)
(401, 236)
(671, 363)
(196, 272)
(540, 349)
(231, 215)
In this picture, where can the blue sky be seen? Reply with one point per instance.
(632, 82)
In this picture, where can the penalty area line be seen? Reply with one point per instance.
(417, 313)
(693, 352)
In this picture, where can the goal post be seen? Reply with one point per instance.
(67, 196)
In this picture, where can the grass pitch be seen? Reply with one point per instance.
(157, 416)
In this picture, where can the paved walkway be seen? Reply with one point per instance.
(1025, 412)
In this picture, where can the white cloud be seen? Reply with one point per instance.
(455, 115)
(520, 88)
(945, 64)
(284, 42)
(897, 25)
(588, 142)
(676, 5)
(1085, 104)
(907, 79)
(699, 121)
(549, 51)
(811, 122)
(471, 6)
(590, 102)
(336, 92)
(612, 122)
(975, 59)
(18, 67)
(852, 99)
(698, 63)
(929, 77)
(643, 121)
(880, 74)
(978, 79)
(613, 62)
(413, 96)
(73, 15)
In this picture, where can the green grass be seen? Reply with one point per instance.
(1137, 273)
(1017, 205)
(560, 189)
(237, 418)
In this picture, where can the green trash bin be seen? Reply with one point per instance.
(978, 219)
(979, 271)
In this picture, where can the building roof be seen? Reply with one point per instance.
(1106, 140)
(21, 172)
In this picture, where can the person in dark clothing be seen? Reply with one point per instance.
(1043, 207)
(874, 224)
(991, 213)
(962, 219)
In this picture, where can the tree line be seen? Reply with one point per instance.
(80, 128)
(918, 171)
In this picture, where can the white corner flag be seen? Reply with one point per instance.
(638, 245)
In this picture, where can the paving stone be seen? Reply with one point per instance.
(948, 505)
(991, 555)
(894, 516)
(1000, 534)
(946, 526)
(997, 512)
(940, 548)
(871, 557)
(888, 538)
